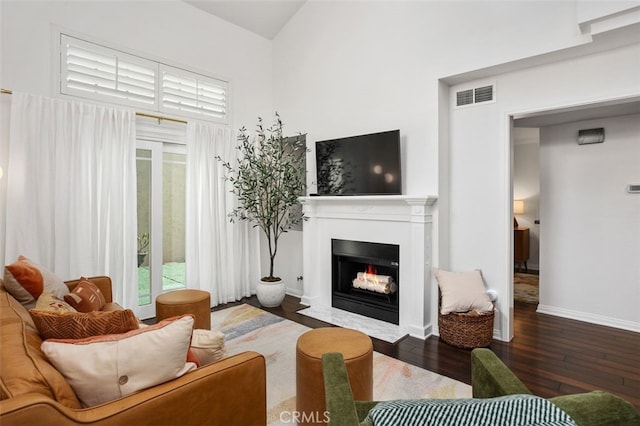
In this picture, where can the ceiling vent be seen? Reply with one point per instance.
(483, 94)
(464, 97)
(475, 96)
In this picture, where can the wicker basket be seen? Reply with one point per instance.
(466, 330)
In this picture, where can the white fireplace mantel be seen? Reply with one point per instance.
(390, 219)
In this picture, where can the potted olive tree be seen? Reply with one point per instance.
(268, 178)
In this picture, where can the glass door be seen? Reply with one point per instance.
(161, 170)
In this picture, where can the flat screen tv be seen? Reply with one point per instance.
(359, 165)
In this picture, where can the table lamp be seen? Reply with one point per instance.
(518, 208)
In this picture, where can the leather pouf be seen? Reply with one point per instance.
(357, 350)
(188, 301)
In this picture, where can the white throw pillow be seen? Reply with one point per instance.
(462, 292)
(104, 368)
(207, 345)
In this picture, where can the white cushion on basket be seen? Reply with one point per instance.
(462, 292)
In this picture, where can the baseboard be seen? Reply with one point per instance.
(419, 332)
(590, 318)
(306, 300)
(294, 292)
(497, 335)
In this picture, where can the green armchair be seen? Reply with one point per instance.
(490, 378)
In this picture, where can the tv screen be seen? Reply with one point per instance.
(359, 165)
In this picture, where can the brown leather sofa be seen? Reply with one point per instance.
(230, 391)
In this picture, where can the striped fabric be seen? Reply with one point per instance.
(512, 410)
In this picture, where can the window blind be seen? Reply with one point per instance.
(192, 93)
(93, 71)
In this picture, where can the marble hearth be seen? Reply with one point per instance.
(396, 219)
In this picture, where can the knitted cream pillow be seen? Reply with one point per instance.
(462, 292)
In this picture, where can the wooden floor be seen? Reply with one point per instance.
(551, 355)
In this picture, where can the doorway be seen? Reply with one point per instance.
(575, 187)
(161, 177)
(526, 199)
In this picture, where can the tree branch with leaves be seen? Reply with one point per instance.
(267, 179)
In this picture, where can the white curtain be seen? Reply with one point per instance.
(71, 190)
(221, 257)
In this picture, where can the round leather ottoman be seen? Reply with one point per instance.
(357, 350)
(180, 302)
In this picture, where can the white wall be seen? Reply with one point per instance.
(481, 223)
(526, 186)
(590, 223)
(344, 68)
(170, 31)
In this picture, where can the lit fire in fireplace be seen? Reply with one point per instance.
(370, 280)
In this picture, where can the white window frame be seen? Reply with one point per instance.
(118, 96)
(137, 58)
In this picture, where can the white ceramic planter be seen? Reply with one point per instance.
(271, 294)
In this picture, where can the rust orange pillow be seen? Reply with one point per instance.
(24, 281)
(86, 297)
(78, 325)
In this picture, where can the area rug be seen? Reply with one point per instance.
(249, 328)
(525, 288)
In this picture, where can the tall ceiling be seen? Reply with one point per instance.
(267, 17)
(262, 17)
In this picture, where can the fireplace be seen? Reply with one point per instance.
(394, 219)
(365, 278)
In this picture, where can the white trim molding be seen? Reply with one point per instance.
(590, 318)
